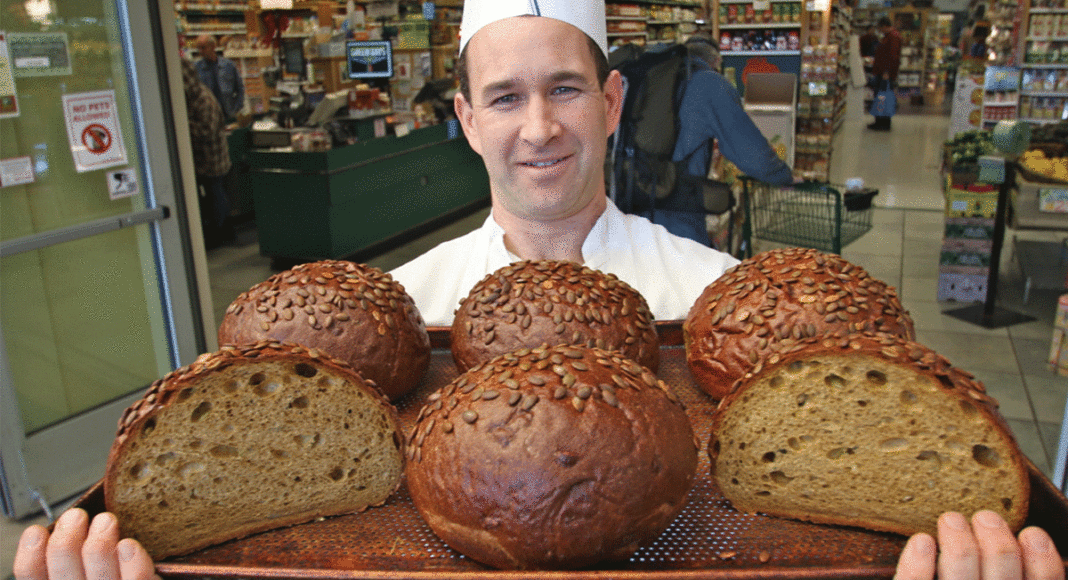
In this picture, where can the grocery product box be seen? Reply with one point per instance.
(961, 284)
(963, 252)
(970, 228)
(965, 203)
(623, 10)
(413, 34)
(1058, 352)
(1053, 199)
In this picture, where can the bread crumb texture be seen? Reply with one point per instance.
(780, 297)
(530, 303)
(246, 440)
(551, 458)
(865, 430)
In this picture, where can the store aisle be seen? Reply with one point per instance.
(902, 248)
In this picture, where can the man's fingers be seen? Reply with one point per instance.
(960, 552)
(1040, 557)
(99, 556)
(1000, 554)
(917, 561)
(30, 556)
(134, 562)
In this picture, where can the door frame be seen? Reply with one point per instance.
(32, 482)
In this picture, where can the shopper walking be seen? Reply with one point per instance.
(211, 157)
(884, 71)
(220, 75)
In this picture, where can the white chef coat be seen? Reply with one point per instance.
(669, 271)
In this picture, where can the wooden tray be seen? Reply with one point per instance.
(709, 539)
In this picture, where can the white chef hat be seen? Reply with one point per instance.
(586, 15)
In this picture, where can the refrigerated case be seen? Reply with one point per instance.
(98, 269)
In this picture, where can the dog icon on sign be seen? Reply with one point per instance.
(122, 183)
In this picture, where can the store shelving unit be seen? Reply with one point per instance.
(215, 18)
(1043, 51)
(645, 21)
(915, 25)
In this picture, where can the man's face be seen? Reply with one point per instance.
(207, 51)
(538, 116)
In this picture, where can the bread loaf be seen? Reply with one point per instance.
(353, 312)
(863, 430)
(248, 439)
(782, 296)
(551, 458)
(530, 303)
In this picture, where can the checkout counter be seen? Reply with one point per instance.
(332, 204)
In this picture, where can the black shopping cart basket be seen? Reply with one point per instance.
(810, 215)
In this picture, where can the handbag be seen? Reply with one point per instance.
(885, 102)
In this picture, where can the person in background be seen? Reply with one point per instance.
(538, 107)
(868, 41)
(220, 75)
(711, 112)
(211, 157)
(885, 65)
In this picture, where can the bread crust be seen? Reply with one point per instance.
(354, 312)
(530, 303)
(970, 439)
(782, 295)
(551, 458)
(173, 474)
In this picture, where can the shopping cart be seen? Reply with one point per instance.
(811, 215)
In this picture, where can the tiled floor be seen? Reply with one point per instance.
(902, 248)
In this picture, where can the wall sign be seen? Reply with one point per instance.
(93, 129)
(39, 54)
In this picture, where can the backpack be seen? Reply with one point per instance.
(639, 166)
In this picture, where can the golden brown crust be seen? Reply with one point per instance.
(530, 303)
(198, 381)
(974, 407)
(353, 311)
(782, 296)
(516, 460)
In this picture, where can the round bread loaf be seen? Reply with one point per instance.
(865, 430)
(249, 439)
(531, 303)
(782, 296)
(353, 312)
(556, 457)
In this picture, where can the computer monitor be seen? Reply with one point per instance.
(293, 56)
(369, 59)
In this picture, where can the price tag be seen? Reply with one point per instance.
(761, 5)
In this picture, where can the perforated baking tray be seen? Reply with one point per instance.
(709, 539)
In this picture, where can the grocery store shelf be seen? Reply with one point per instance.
(629, 18)
(761, 52)
(1040, 121)
(1049, 11)
(619, 34)
(760, 25)
(1044, 65)
(1045, 93)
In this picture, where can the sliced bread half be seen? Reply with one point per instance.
(865, 430)
(249, 439)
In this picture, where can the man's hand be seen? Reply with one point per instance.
(986, 549)
(78, 550)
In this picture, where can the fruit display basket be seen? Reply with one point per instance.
(809, 215)
(709, 538)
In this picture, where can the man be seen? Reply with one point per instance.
(885, 65)
(211, 157)
(541, 126)
(220, 75)
(535, 107)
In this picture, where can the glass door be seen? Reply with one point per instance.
(95, 291)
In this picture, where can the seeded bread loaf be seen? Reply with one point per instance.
(782, 296)
(531, 303)
(551, 458)
(246, 440)
(353, 312)
(864, 430)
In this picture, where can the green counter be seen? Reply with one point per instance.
(332, 204)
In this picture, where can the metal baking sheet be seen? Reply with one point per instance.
(709, 539)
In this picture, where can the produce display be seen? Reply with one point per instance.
(966, 148)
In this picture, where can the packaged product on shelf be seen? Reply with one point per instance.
(750, 14)
(723, 14)
(732, 14)
(793, 40)
(724, 41)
